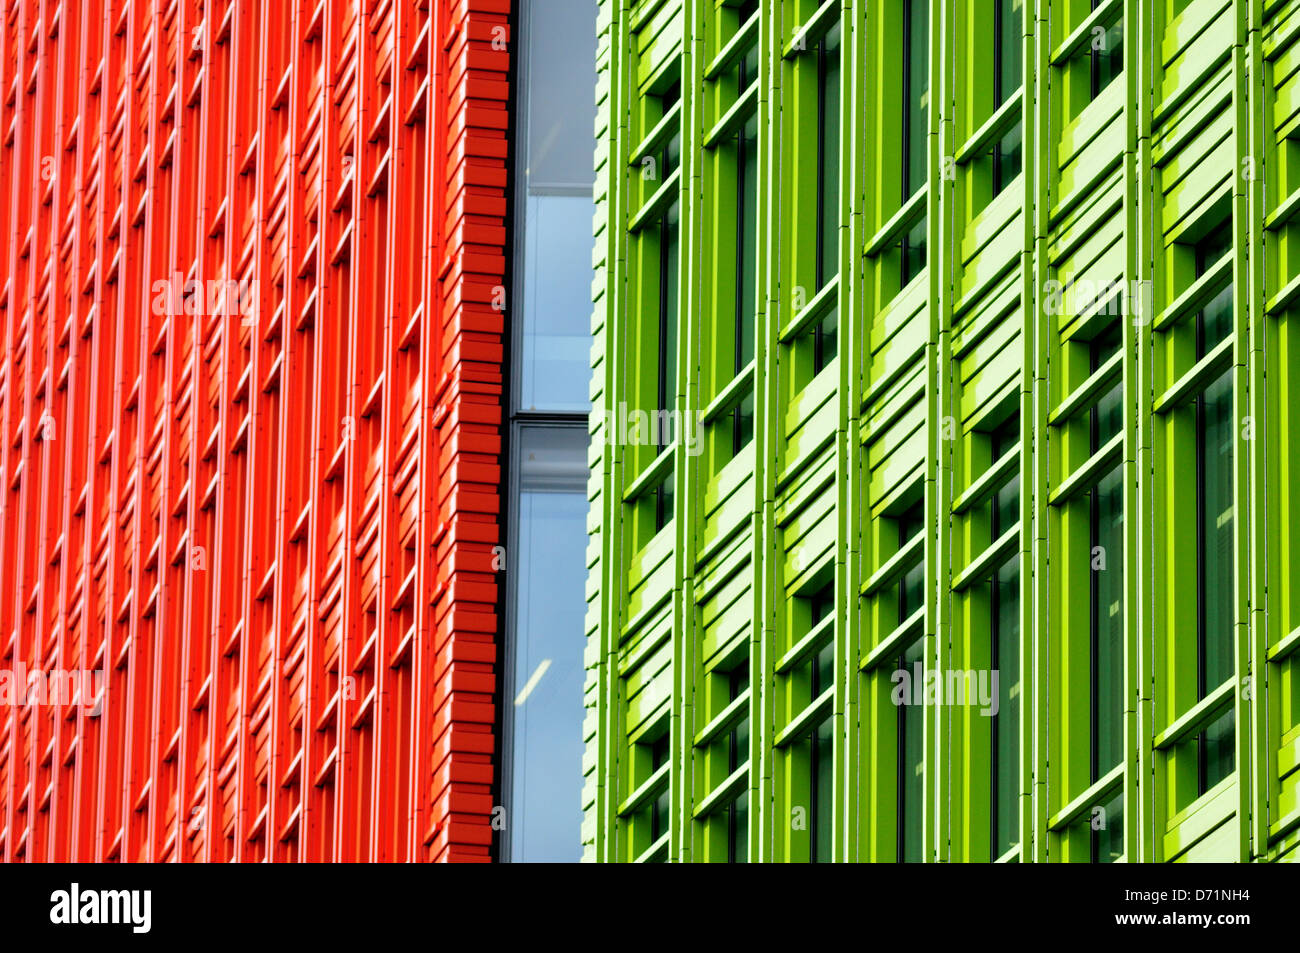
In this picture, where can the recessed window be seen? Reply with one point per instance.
(662, 500)
(553, 215)
(1007, 78)
(825, 331)
(660, 806)
(913, 252)
(667, 344)
(1004, 655)
(737, 812)
(1006, 500)
(1107, 832)
(828, 156)
(1106, 580)
(1214, 524)
(916, 88)
(821, 781)
(911, 584)
(910, 761)
(1106, 56)
(1004, 599)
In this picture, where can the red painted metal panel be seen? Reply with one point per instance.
(251, 412)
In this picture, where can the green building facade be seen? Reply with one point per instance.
(968, 531)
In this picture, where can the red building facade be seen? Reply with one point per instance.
(252, 270)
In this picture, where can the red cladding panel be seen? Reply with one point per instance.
(251, 410)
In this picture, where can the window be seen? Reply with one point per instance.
(824, 332)
(911, 584)
(1107, 832)
(916, 88)
(910, 761)
(544, 708)
(661, 496)
(821, 809)
(808, 263)
(1005, 511)
(910, 728)
(660, 806)
(913, 252)
(1214, 515)
(1004, 656)
(915, 112)
(1087, 643)
(1007, 79)
(731, 166)
(1106, 582)
(545, 448)
(668, 228)
(1092, 55)
(737, 754)
(553, 225)
(742, 422)
(1106, 59)
(656, 229)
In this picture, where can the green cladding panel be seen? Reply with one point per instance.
(943, 384)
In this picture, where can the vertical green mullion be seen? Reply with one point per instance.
(1242, 393)
(1242, 507)
(856, 326)
(759, 534)
(1035, 732)
(688, 519)
(612, 842)
(1137, 248)
(845, 435)
(1035, 582)
(1140, 560)
(866, 730)
(1257, 636)
(940, 276)
(767, 452)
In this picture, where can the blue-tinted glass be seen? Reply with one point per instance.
(555, 367)
(547, 678)
(554, 222)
